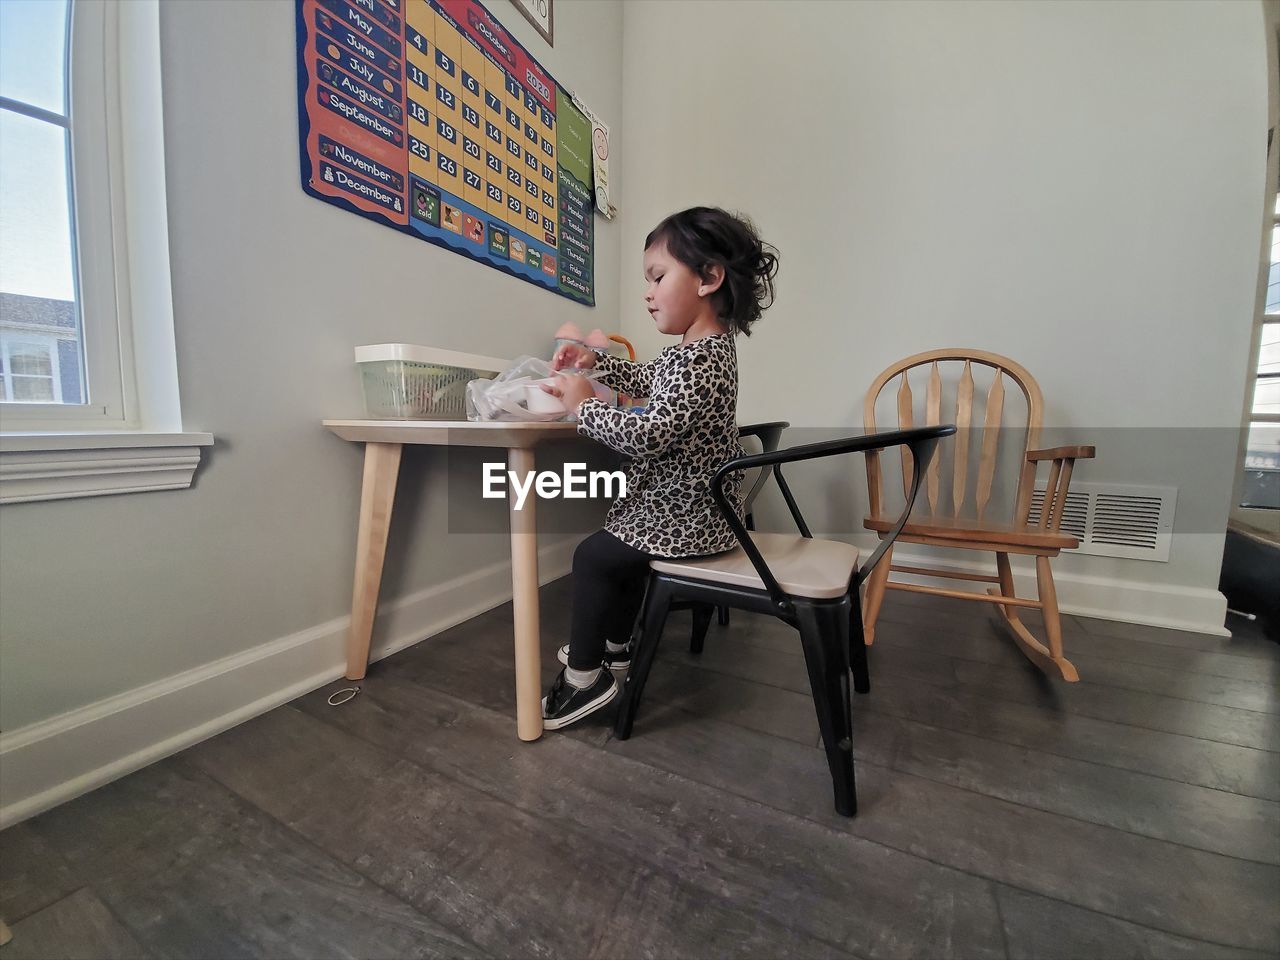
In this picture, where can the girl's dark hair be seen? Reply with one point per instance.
(702, 237)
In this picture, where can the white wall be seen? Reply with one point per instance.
(272, 290)
(1076, 185)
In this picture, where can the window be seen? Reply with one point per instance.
(87, 357)
(1260, 481)
(1258, 484)
(48, 380)
(1262, 451)
(30, 370)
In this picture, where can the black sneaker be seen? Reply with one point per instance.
(565, 704)
(613, 659)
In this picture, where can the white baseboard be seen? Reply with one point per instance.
(50, 762)
(1197, 610)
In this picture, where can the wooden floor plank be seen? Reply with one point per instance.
(986, 639)
(1252, 668)
(971, 615)
(1246, 643)
(78, 927)
(1152, 711)
(1246, 683)
(669, 917)
(192, 871)
(1019, 682)
(33, 875)
(1258, 696)
(1209, 820)
(1039, 928)
(1219, 766)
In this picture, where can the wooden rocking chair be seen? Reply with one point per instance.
(1035, 532)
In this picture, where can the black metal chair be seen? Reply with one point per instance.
(810, 584)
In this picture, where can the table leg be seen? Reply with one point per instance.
(377, 495)
(524, 601)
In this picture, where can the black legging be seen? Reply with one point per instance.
(608, 587)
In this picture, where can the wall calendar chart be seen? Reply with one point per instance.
(427, 116)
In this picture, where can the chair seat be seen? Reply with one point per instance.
(818, 569)
(961, 529)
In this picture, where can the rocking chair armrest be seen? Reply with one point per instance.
(1063, 453)
(921, 441)
(1063, 461)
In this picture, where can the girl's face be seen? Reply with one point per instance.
(672, 294)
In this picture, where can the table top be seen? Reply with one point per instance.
(453, 433)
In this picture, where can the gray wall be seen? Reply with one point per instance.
(272, 289)
(1079, 186)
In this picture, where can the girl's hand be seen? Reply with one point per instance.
(573, 355)
(571, 390)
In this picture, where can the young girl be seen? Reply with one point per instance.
(709, 278)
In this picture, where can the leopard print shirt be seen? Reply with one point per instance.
(674, 448)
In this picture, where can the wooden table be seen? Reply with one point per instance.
(383, 441)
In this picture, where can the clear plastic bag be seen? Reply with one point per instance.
(516, 394)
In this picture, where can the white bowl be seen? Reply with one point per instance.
(539, 401)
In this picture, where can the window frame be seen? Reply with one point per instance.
(130, 437)
(1262, 519)
(95, 201)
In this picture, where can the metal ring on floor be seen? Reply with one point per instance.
(350, 695)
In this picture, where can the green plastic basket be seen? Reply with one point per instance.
(398, 386)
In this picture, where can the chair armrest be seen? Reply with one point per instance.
(764, 431)
(1062, 453)
(921, 441)
(1056, 487)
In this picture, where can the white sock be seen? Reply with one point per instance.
(612, 647)
(581, 679)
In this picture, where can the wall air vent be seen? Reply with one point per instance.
(1116, 520)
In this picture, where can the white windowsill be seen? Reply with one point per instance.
(59, 466)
